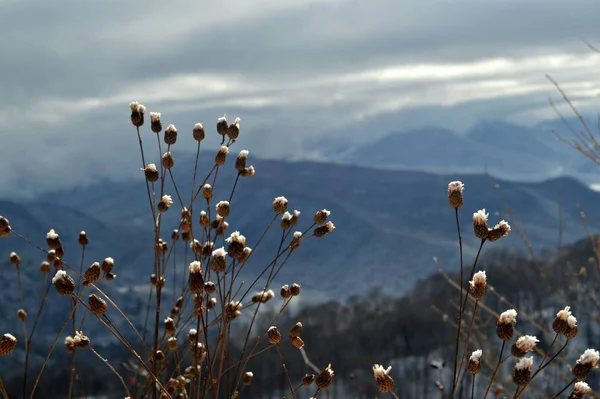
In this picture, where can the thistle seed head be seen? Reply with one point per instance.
(286, 220)
(83, 239)
(498, 231)
(474, 364)
(151, 173)
(240, 162)
(524, 345)
(218, 263)
(221, 156)
(579, 390)
(64, 284)
(560, 324)
(167, 160)
(97, 305)
(165, 203)
(383, 380)
(321, 216)
(155, 124)
(222, 208)
(8, 343)
(480, 227)
(280, 205)
(455, 194)
(323, 230)
(324, 379)
(198, 132)
(137, 113)
(505, 326)
(247, 172)
(237, 243)
(170, 135)
(478, 285)
(274, 335)
(522, 371)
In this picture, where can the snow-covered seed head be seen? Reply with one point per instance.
(237, 243)
(263, 296)
(295, 289)
(97, 305)
(579, 390)
(53, 240)
(245, 255)
(137, 113)
(498, 231)
(524, 345)
(247, 172)
(585, 364)
(14, 258)
(474, 364)
(64, 284)
(296, 330)
(323, 230)
(455, 194)
(321, 216)
(207, 192)
(324, 379)
(204, 221)
(505, 326)
(522, 371)
(285, 292)
(233, 310)
(572, 328)
(198, 132)
(480, 226)
(296, 238)
(233, 131)
(170, 135)
(196, 277)
(240, 162)
(151, 173)
(155, 123)
(247, 378)
(83, 239)
(478, 285)
(383, 380)
(221, 156)
(222, 208)
(286, 220)
(107, 265)
(280, 205)
(274, 335)
(167, 160)
(8, 343)
(222, 125)
(560, 325)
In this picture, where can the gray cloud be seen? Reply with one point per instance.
(293, 71)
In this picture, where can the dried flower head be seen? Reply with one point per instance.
(170, 326)
(64, 284)
(296, 330)
(478, 285)
(285, 292)
(323, 230)
(296, 238)
(324, 379)
(137, 113)
(196, 277)
(572, 328)
(321, 216)
(237, 243)
(586, 362)
(8, 343)
(286, 220)
(107, 265)
(263, 296)
(22, 314)
(233, 131)
(204, 220)
(170, 135)
(505, 326)
(480, 227)
(295, 289)
(280, 205)
(221, 156)
(247, 172)
(15, 259)
(172, 343)
(245, 255)
(524, 345)
(247, 378)
(45, 267)
(5, 228)
(151, 173)
(560, 324)
(233, 310)
(474, 364)
(83, 239)
(218, 263)
(308, 379)
(522, 371)
(198, 132)
(97, 305)
(274, 335)
(167, 160)
(298, 342)
(53, 240)
(222, 208)
(81, 341)
(165, 203)
(455, 194)
(222, 126)
(210, 287)
(498, 231)
(579, 390)
(240, 162)
(155, 123)
(207, 192)
(383, 380)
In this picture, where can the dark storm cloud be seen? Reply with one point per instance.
(69, 68)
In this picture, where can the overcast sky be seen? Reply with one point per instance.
(291, 69)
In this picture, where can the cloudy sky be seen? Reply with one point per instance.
(293, 70)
